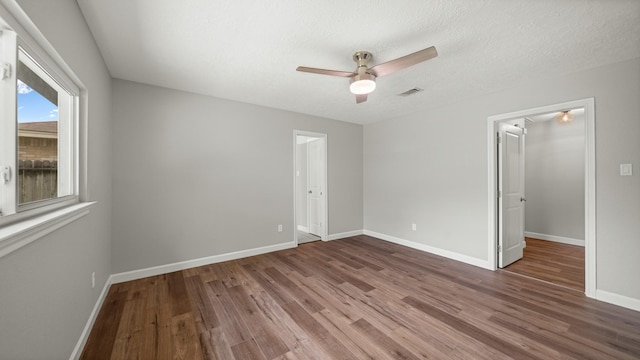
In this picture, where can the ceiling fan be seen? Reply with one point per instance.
(363, 79)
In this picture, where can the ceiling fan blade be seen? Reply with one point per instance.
(405, 61)
(361, 98)
(325, 71)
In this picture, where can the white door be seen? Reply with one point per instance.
(316, 190)
(511, 194)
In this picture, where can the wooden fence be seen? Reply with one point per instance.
(37, 180)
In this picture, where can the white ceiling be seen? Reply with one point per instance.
(248, 50)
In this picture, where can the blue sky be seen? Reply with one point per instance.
(34, 107)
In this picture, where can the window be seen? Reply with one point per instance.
(38, 132)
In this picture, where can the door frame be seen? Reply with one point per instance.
(589, 181)
(325, 227)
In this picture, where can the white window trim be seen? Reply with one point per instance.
(17, 235)
(24, 227)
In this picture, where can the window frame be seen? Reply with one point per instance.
(13, 39)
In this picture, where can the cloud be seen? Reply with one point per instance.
(23, 88)
(53, 114)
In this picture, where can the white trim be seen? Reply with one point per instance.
(554, 238)
(590, 182)
(82, 341)
(165, 269)
(344, 235)
(303, 228)
(617, 299)
(15, 19)
(324, 137)
(433, 250)
(17, 235)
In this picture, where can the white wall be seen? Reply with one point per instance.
(554, 178)
(45, 287)
(431, 169)
(199, 176)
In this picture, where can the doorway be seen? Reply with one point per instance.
(310, 186)
(496, 198)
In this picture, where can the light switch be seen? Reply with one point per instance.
(626, 170)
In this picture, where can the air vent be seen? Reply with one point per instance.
(411, 92)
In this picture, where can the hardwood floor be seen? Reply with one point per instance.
(557, 263)
(356, 298)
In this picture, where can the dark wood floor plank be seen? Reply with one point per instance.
(296, 292)
(203, 309)
(183, 335)
(317, 332)
(557, 263)
(178, 297)
(231, 322)
(130, 335)
(290, 332)
(356, 342)
(103, 335)
(392, 348)
(264, 334)
(215, 345)
(493, 341)
(248, 350)
(158, 340)
(360, 298)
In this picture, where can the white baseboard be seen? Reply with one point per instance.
(620, 300)
(164, 269)
(559, 239)
(344, 235)
(77, 351)
(303, 228)
(433, 250)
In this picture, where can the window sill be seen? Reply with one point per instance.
(17, 235)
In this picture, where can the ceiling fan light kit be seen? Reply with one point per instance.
(363, 84)
(363, 79)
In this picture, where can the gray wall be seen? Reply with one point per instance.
(554, 178)
(199, 176)
(431, 169)
(46, 295)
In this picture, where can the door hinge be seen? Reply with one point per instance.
(5, 71)
(499, 248)
(498, 138)
(499, 194)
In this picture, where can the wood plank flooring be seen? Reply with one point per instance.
(557, 263)
(356, 298)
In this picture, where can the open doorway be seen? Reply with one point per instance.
(552, 203)
(542, 221)
(310, 186)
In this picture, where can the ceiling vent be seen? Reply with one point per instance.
(411, 91)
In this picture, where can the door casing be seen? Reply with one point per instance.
(325, 208)
(589, 180)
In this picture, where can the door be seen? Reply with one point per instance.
(316, 186)
(511, 194)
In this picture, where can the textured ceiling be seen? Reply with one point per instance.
(248, 50)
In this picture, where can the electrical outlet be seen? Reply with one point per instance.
(280, 228)
(626, 169)
(93, 280)
(414, 227)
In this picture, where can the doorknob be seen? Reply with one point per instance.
(310, 192)
(522, 199)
